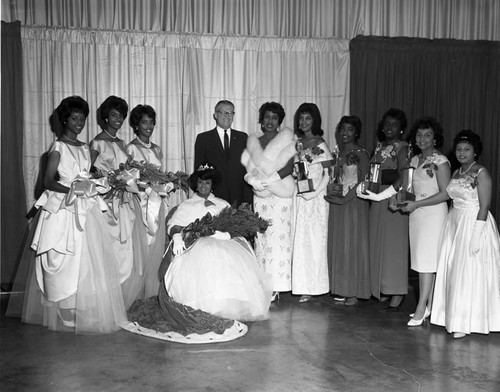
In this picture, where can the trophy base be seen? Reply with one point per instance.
(335, 189)
(305, 186)
(373, 187)
(402, 197)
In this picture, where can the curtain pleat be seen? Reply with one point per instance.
(343, 19)
(13, 222)
(455, 81)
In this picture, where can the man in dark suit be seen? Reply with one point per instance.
(222, 148)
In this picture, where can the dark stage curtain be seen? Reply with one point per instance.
(458, 82)
(13, 222)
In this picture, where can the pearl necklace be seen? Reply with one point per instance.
(462, 173)
(147, 145)
(110, 135)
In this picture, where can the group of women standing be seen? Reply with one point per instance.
(340, 243)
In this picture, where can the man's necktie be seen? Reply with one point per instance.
(226, 144)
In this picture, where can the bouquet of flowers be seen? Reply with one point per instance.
(153, 175)
(352, 158)
(238, 222)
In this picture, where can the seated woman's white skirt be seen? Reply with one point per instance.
(221, 277)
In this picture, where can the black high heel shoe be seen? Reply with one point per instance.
(390, 308)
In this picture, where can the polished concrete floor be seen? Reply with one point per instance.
(316, 346)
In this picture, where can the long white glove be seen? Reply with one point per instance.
(272, 178)
(178, 246)
(385, 194)
(254, 182)
(475, 240)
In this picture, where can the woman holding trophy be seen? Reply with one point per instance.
(348, 258)
(428, 213)
(388, 228)
(309, 260)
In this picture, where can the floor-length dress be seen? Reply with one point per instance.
(273, 248)
(154, 207)
(426, 223)
(389, 244)
(218, 276)
(129, 240)
(467, 290)
(348, 258)
(310, 259)
(71, 266)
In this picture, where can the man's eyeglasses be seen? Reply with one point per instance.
(226, 114)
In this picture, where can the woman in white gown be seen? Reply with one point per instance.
(128, 238)
(467, 290)
(310, 242)
(217, 274)
(75, 283)
(429, 211)
(154, 200)
(269, 163)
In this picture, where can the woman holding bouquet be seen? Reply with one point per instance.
(428, 212)
(348, 258)
(268, 160)
(212, 271)
(389, 228)
(109, 155)
(309, 257)
(73, 283)
(154, 198)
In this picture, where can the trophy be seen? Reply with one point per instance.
(304, 183)
(335, 186)
(405, 192)
(373, 179)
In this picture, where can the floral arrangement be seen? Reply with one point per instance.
(351, 158)
(239, 222)
(431, 164)
(387, 152)
(469, 181)
(125, 178)
(152, 174)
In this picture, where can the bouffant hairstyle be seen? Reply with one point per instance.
(67, 106)
(396, 114)
(313, 110)
(112, 102)
(471, 137)
(425, 123)
(351, 120)
(138, 113)
(273, 107)
(70, 105)
(204, 172)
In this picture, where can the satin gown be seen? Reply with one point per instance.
(218, 276)
(73, 266)
(154, 209)
(467, 289)
(129, 240)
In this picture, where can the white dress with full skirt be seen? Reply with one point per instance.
(217, 276)
(74, 268)
(467, 290)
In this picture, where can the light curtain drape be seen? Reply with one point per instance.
(458, 82)
(343, 19)
(182, 76)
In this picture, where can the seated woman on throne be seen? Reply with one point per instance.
(213, 274)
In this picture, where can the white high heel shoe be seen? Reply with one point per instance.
(416, 323)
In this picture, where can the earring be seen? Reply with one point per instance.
(434, 143)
